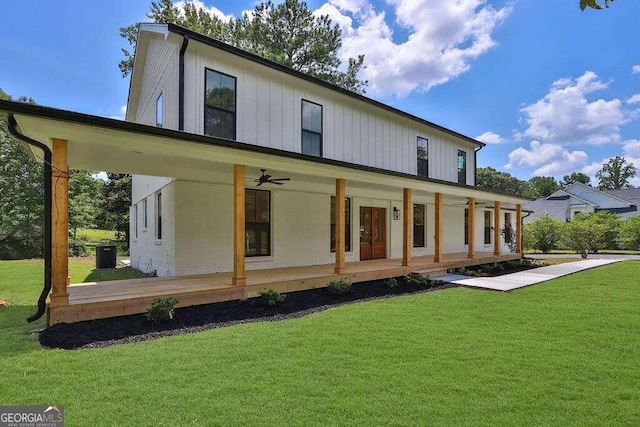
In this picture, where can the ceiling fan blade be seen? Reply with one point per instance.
(259, 183)
(280, 179)
(274, 182)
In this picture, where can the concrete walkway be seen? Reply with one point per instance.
(508, 282)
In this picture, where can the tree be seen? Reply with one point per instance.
(21, 200)
(585, 234)
(85, 194)
(615, 174)
(611, 223)
(287, 33)
(630, 233)
(593, 4)
(543, 186)
(567, 180)
(491, 179)
(543, 234)
(116, 199)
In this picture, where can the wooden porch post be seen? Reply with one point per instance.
(471, 229)
(60, 224)
(438, 228)
(406, 227)
(496, 228)
(518, 228)
(239, 277)
(340, 267)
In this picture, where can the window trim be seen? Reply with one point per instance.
(270, 224)
(347, 225)
(424, 226)
(146, 214)
(160, 111)
(464, 156)
(303, 130)
(235, 103)
(418, 138)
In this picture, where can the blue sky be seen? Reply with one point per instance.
(551, 89)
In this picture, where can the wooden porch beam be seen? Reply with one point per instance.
(496, 228)
(406, 227)
(60, 224)
(341, 266)
(471, 229)
(518, 228)
(239, 277)
(438, 228)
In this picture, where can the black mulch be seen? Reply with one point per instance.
(135, 328)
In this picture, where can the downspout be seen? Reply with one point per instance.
(522, 234)
(183, 48)
(475, 165)
(42, 301)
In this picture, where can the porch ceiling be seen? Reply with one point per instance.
(100, 144)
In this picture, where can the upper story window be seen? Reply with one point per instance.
(220, 105)
(423, 157)
(311, 128)
(159, 111)
(462, 167)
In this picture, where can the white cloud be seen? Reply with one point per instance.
(198, 4)
(634, 99)
(444, 37)
(490, 138)
(635, 69)
(552, 159)
(122, 115)
(565, 115)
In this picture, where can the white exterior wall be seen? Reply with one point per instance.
(268, 113)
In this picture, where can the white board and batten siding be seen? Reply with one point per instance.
(268, 113)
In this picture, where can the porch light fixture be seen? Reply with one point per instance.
(396, 213)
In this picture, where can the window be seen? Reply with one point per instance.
(311, 128)
(159, 216)
(220, 105)
(135, 221)
(423, 157)
(257, 222)
(462, 167)
(347, 224)
(487, 227)
(145, 213)
(159, 111)
(419, 222)
(508, 228)
(466, 226)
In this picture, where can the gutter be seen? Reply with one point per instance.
(42, 301)
(183, 48)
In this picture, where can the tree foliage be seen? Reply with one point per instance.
(543, 186)
(116, 199)
(287, 33)
(615, 174)
(543, 234)
(630, 233)
(567, 180)
(586, 234)
(593, 4)
(491, 179)
(85, 192)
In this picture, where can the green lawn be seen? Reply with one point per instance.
(565, 352)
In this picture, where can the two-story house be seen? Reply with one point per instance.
(248, 175)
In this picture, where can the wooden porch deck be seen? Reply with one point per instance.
(88, 301)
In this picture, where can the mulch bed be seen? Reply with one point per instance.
(135, 328)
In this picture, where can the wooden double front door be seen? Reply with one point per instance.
(372, 233)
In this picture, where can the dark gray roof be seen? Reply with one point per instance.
(632, 195)
(556, 209)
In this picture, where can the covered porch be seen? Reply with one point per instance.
(95, 143)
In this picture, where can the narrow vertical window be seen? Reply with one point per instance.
(159, 120)
(135, 221)
(257, 222)
(466, 226)
(419, 222)
(159, 216)
(145, 222)
(347, 224)
(220, 105)
(508, 228)
(462, 167)
(311, 128)
(487, 227)
(423, 157)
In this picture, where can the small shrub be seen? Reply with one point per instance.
(161, 310)
(391, 283)
(339, 287)
(272, 298)
(77, 248)
(420, 279)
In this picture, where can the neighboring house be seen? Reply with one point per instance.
(242, 166)
(580, 198)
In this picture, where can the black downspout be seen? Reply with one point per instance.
(42, 301)
(183, 48)
(475, 166)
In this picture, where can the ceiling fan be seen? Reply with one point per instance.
(267, 179)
